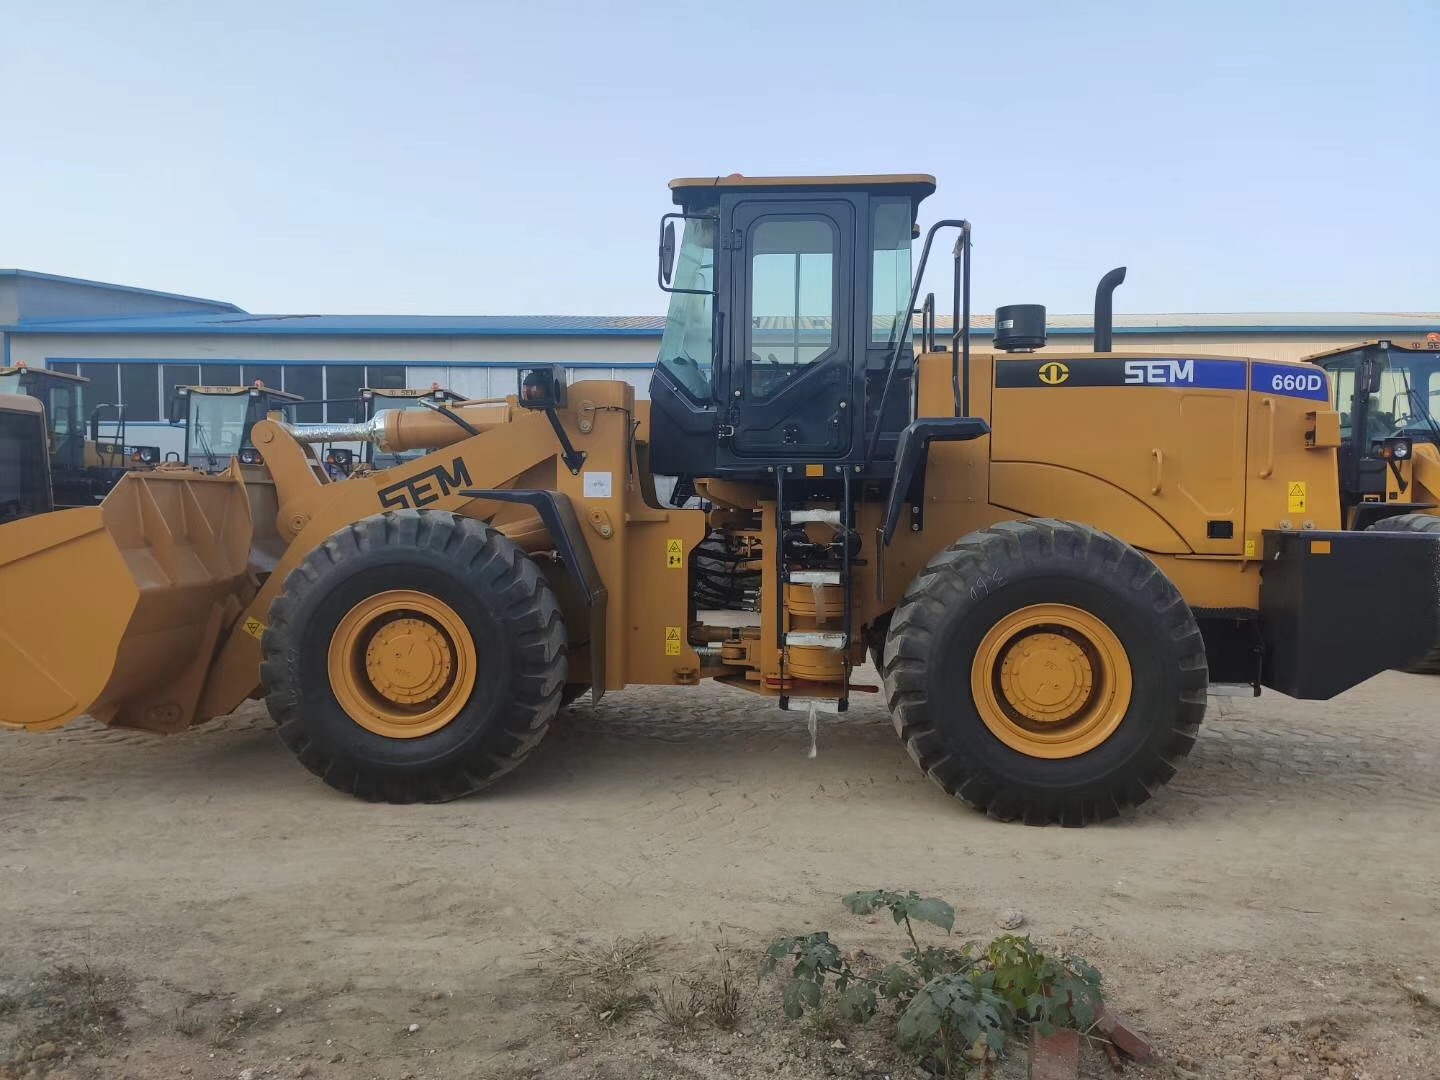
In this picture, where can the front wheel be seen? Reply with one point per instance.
(1045, 671)
(1428, 524)
(414, 657)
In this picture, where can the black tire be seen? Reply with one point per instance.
(956, 600)
(1415, 523)
(504, 603)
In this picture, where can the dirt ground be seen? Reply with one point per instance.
(201, 906)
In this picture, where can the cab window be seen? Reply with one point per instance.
(793, 264)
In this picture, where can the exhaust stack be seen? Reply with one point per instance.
(1104, 308)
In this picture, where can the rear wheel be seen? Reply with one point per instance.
(414, 657)
(1415, 523)
(1045, 671)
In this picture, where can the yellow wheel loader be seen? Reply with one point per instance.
(83, 466)
(218, 421)
(1053, 555)
(24, 459)
(1387, 396)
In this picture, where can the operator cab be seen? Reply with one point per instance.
(790, 299)
(24, 459)
(1388, 396)
(218, 421)
(63, 397)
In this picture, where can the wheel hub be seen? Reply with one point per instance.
(1051, 681)
(402, 664)
(409, 660)
(1046, 677)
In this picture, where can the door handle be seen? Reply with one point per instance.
(1268, 404)
(1159, 456)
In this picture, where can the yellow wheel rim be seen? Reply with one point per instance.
(402, 664)
(1051, 681)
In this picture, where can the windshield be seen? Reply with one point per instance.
(217, 426)
(686, 349)
(1407, 403)
(10, 384)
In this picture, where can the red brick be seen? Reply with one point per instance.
(1125, 1035)
(1055, 1057)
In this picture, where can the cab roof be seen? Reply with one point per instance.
(916, 185)
(17, 403)
(1430, 346)
(44, 373)
(231, 391)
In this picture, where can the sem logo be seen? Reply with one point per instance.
(1054, 373)
(1159, 372)
(425, 488)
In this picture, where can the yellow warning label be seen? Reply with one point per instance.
(1250, 549)
(1295, 497)
(672, 641)
(814, 470)
(255, 628)
(674, 554)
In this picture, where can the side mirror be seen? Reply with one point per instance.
(175, 411)
(667, 252)
(1373, 372)
(542, 387)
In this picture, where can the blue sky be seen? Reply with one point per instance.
(438, 157)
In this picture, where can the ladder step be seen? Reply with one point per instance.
(813, 577)
(804, 704)
(816, 517)
(824, 639)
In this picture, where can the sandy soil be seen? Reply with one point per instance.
(232, 917)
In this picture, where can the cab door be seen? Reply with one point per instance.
(789, 376)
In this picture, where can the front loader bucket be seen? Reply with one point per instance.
(115, 611)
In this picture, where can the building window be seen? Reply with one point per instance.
(104, 383)
(342, 390)
(385, 376)
(173, 375)
(139, 390)
(307, 380)
(268, 374)
(221, 375)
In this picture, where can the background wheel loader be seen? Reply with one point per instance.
(24, 459)
(1053, 556)
(218, 421)
(83, 466)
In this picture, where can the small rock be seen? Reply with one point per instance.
(1184, 1074)
(1010, 919)
(246, 1074)
(44, 1052)
(839, 1046)
(574, 1052)
(336, 1058)
(413, 1028)
(1185, 1061)
(436, 995)
(305, 1070)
